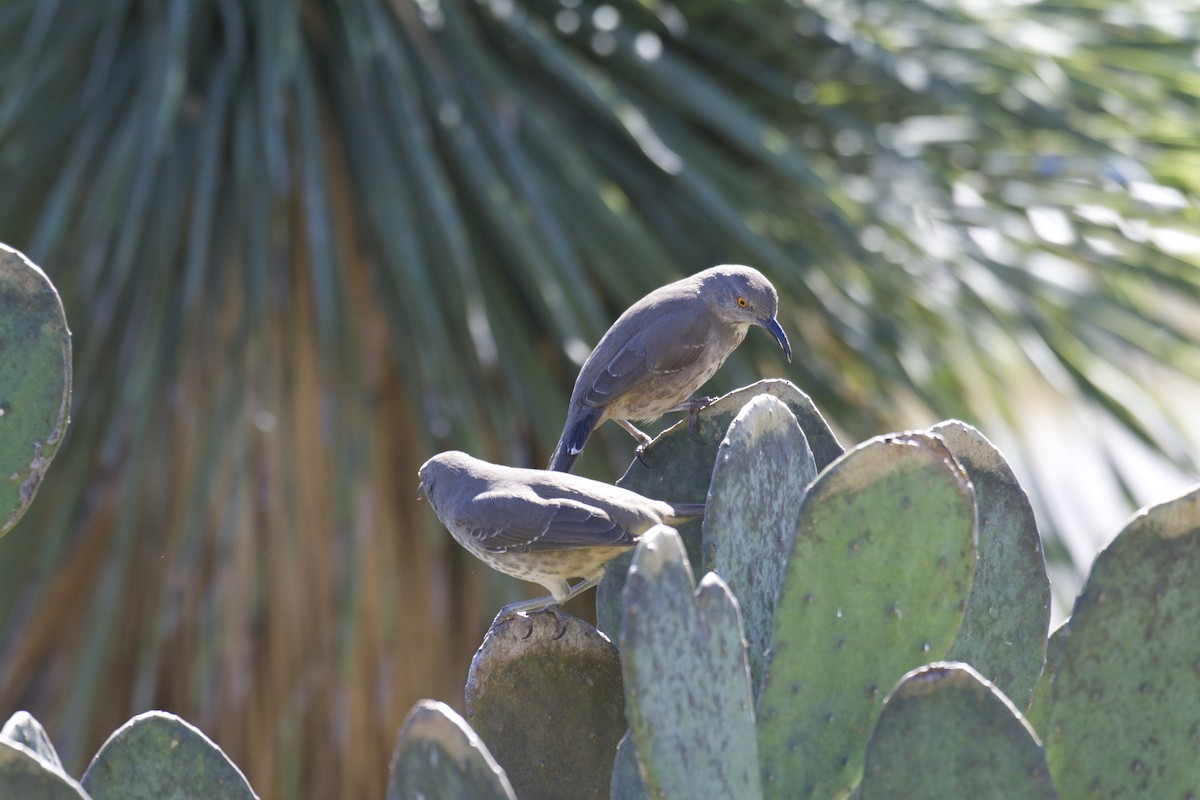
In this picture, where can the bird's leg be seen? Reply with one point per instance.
(694, 406)
(575, 591)
(549, 603)
(643, 440)
(521, 608)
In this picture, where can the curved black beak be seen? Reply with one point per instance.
(772, 327)
(422, 490)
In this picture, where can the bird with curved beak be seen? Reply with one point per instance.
(662, 349)
(539, 526)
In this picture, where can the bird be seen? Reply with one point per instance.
(662, 349)
(540, 526)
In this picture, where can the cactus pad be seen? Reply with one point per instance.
(1039, 705)
(548, 703)
(29, 765)
(875, 585)
(438, 757)
(158, 756)
(1125, 699)
(626, 775)
(22, 728)
(945, 731)
(687, 684)
(35, 381)
(762, 470)
(1003, 633)
(680, 469)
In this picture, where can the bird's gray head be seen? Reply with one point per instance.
(743, 296)
(434, 471)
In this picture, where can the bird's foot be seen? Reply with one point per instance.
(562, 623)
(694, 407)
(514, 615)
(508, 614)
(640, 452)
(643, 441)
(522, 610)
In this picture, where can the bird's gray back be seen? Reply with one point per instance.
(627, 508)
(655, 356)
(475, 478)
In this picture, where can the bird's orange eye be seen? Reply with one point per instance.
(742, 302)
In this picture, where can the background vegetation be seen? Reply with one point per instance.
(303, 245)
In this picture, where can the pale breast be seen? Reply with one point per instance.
(660, 393)
(579, 562)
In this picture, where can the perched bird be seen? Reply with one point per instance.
(662, 349)
(540, 526)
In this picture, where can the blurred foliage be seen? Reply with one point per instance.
(304, 244)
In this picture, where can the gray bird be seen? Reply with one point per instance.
(662, 349)
(540, 526)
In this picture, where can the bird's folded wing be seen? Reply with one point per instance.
(527, 523)
(669, 342)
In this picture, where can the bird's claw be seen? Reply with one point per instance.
(562, 623)
(640, 452)
(516, 615)
(694, 409)
(554, 610)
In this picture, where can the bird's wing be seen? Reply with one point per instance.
(507, 522)
(673, 340)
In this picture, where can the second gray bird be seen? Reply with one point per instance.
(540, 526)
(662, 349)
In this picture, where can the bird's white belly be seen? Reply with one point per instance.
(660, 394)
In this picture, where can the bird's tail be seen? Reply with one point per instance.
(682, 512)
(574, 436)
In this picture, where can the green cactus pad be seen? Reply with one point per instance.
(680, 471)
(1040, 704)
(438, 757)
(1124, 709)
(30, 766)
(875, 585)
(946, 731)
(547, 700)
(626, 775)
(1003, 633)
(26, 775)
(35, 381)
(687, 684)
(22, 728)
(158, 756)
(762, 470)
(679, 465)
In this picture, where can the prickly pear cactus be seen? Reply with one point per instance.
(567, 678)
(681, 467)
(29, 765)
(158, 756)
(626, 781)
(23, 729)
(1039, 706)
(875, 585)
(946, 731)
(687, 684)
(762, 470)
(35, 381)
(1125, 698)
(678, 466)
(1003, 633)
(439, 757)
(23, 773)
